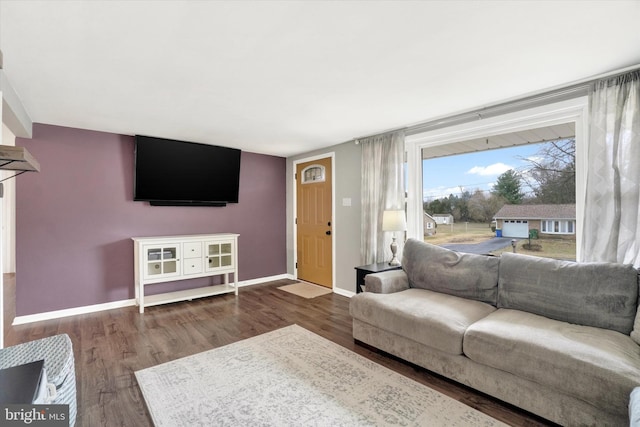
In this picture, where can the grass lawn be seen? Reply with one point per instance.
(550, 248)
(478, 232)
(469, 232)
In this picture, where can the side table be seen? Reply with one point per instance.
(379, 267)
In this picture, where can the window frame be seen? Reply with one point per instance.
(564, 226)
(573, 110)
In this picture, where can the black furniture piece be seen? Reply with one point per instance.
(363, 270)
(20, 384)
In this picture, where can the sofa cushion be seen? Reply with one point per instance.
(442, 270)
(597, 294)
(386, 282)
(596, 365)
(430, 318)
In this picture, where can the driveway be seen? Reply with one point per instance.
(485, 247)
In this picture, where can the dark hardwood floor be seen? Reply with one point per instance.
(111, 345)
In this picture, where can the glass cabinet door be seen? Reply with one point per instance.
(219, 255)
(161, 261)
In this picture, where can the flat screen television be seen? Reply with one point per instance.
(179, 173)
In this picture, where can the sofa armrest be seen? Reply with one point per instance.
(386, 282)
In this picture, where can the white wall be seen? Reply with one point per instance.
(8, 211)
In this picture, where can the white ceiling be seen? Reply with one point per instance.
(287, 77)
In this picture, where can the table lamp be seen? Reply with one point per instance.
(394, 220)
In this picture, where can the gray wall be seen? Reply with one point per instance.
(347, 218)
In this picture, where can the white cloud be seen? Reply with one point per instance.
(491, 170)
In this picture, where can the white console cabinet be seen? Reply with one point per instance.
(169, 258)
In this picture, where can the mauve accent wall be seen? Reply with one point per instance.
(75, 220)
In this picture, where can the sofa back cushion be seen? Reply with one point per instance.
(597, 294)
(442, 270)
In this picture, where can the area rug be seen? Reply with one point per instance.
(305, 290)
(293, 377)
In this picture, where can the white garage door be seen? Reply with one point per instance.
(515, 228)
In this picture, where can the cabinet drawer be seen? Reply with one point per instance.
(192, 250)
(192, 266)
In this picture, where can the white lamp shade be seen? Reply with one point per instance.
(394, 220)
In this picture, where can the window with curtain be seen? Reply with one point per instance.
(612, 221)
(382, 188)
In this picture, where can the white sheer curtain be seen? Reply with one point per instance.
(382, 188)
(612, 223)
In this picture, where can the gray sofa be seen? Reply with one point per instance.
(557, 338)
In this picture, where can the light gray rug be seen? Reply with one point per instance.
(293, 377)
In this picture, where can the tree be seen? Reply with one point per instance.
(437, 206)
(477, 207)
(454, 205)
(508, 186)
(460, 205)
(482, 208)
(552, 172)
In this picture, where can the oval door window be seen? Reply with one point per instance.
(313, 173)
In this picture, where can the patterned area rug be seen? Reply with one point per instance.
(305, 290)
(293, 377)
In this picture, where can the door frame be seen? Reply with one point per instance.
(334, 226)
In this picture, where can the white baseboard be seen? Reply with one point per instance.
(343, 292)
(49, 315)
(264, 280)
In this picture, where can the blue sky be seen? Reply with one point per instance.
(445, 175)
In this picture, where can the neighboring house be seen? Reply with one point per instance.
(556, 220)
(429, 225)
(443, 218)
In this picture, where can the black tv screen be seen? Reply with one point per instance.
(179, 173)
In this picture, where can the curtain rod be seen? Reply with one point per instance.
(546, 96)
(357, 140)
